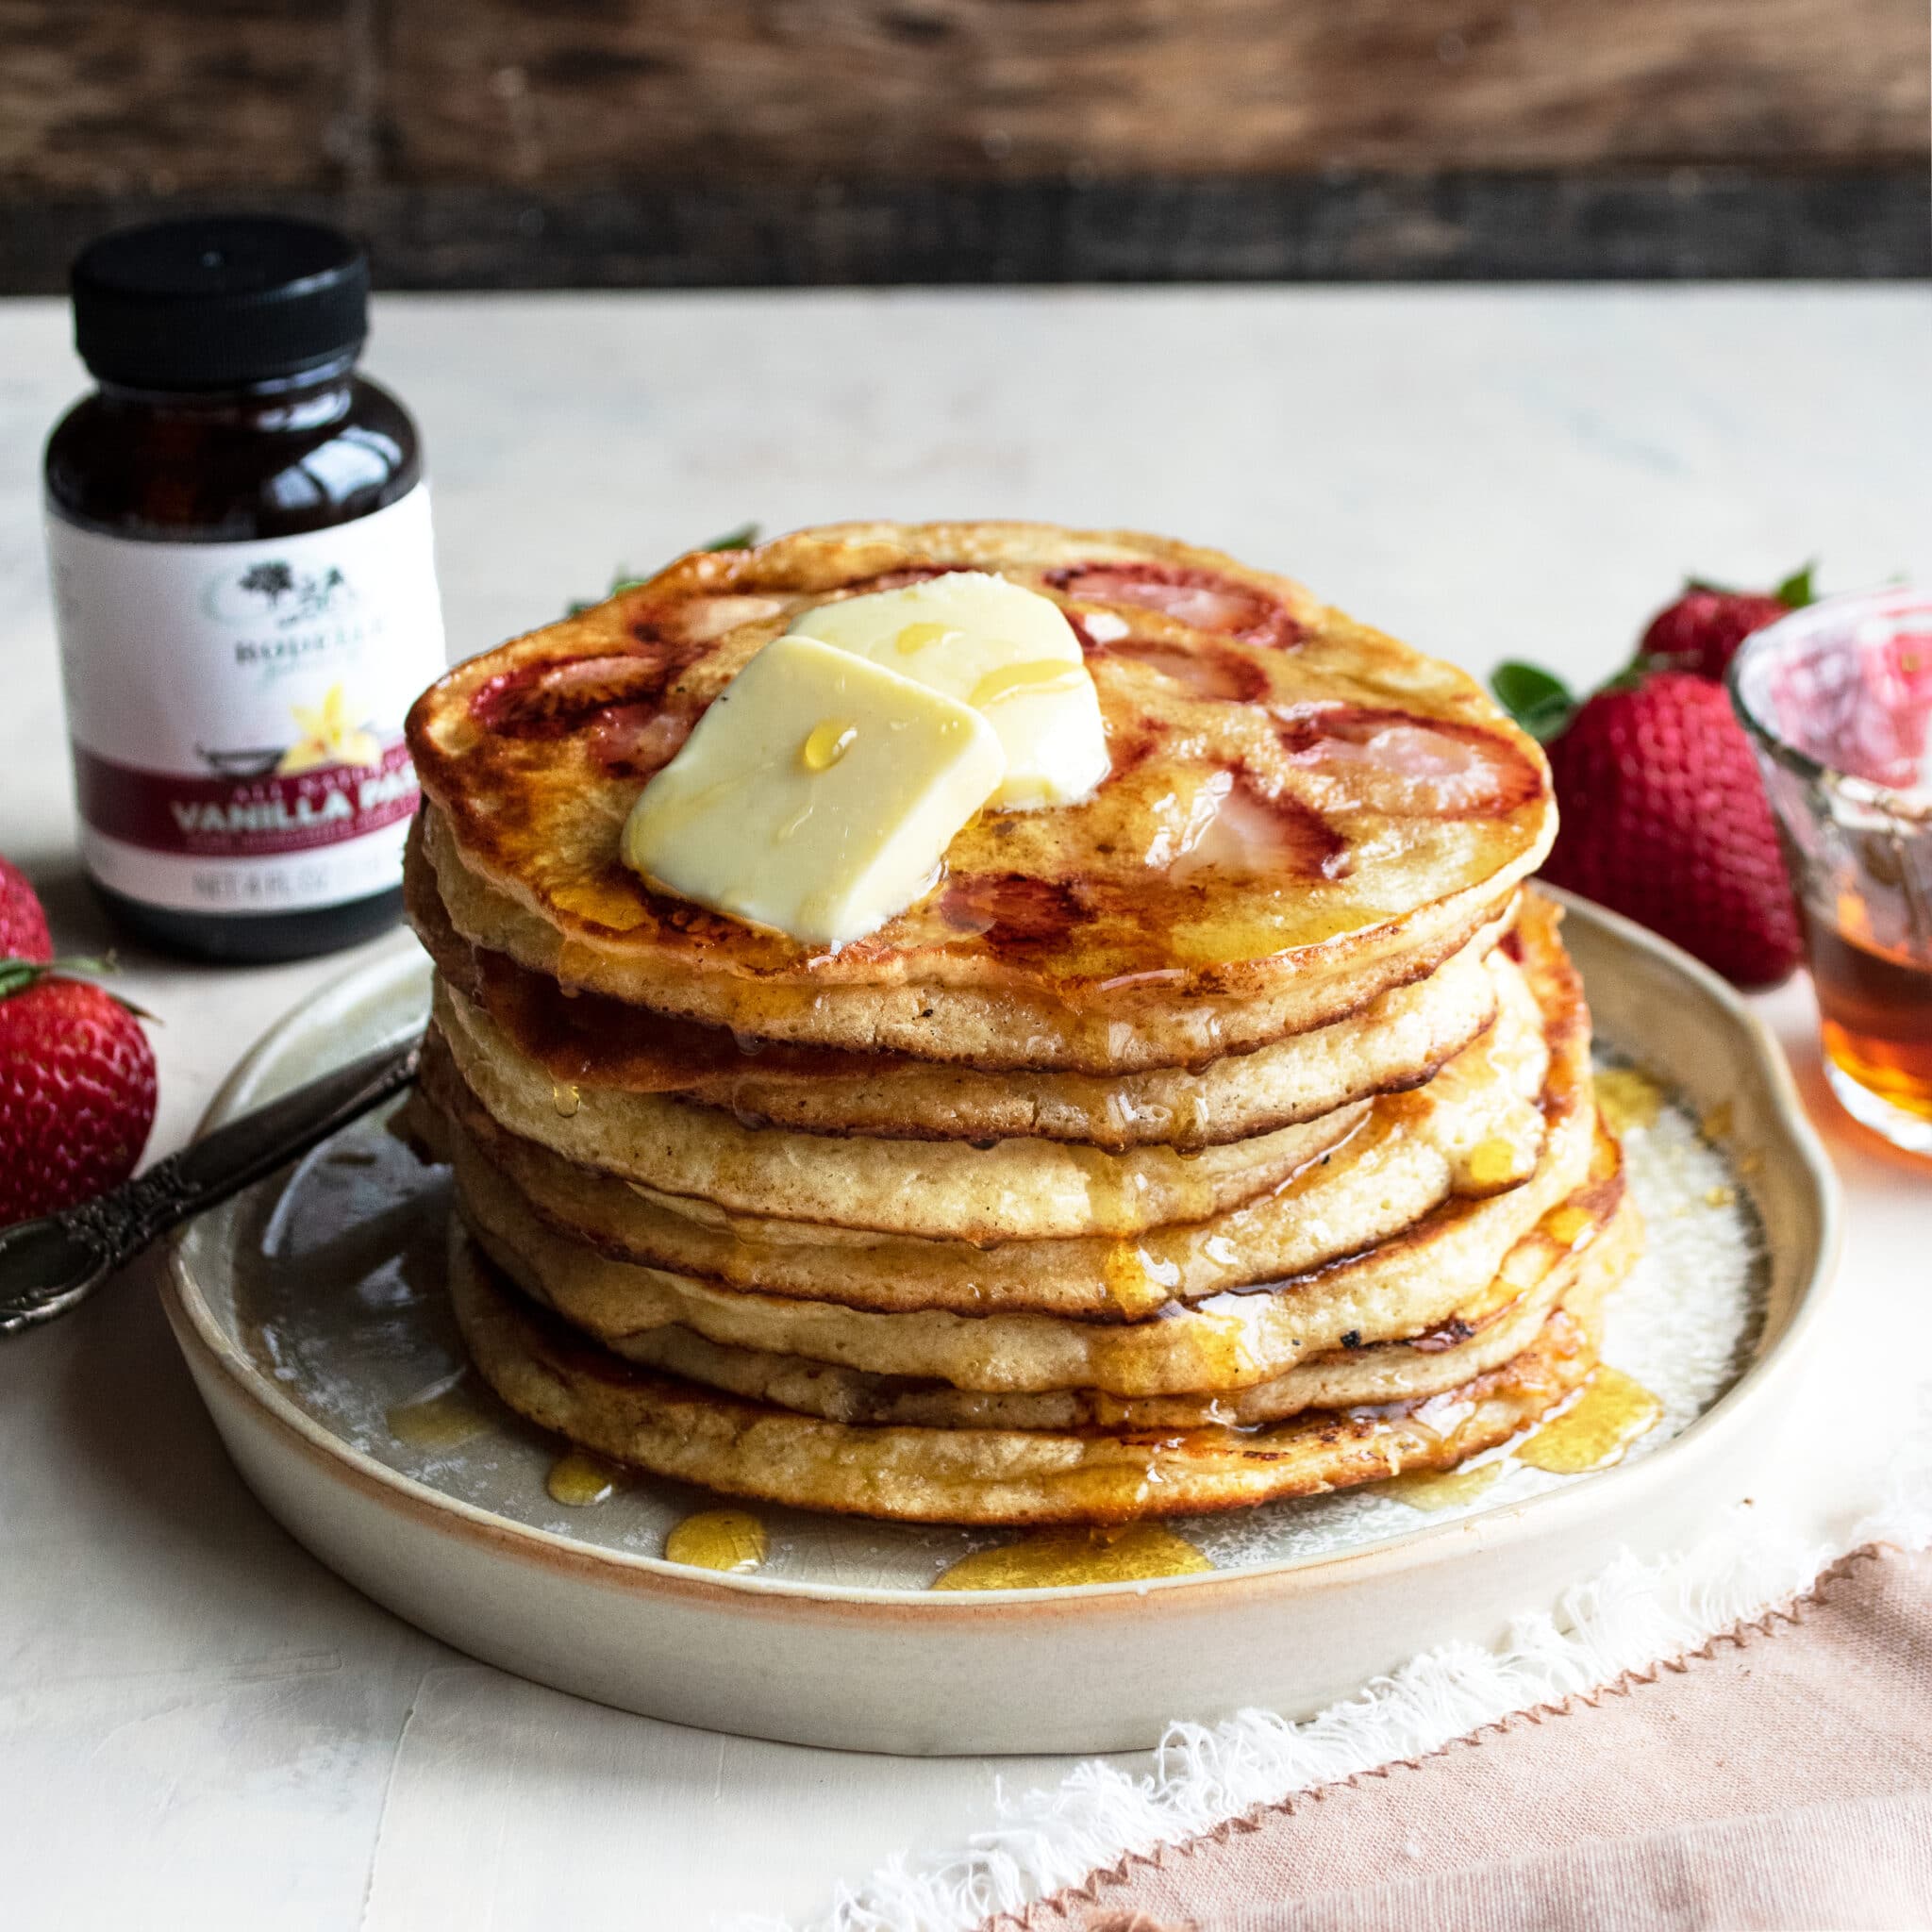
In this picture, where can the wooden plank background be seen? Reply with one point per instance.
(520, 141)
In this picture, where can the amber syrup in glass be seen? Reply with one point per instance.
(1876, 1015)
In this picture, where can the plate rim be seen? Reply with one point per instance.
(201, 1335)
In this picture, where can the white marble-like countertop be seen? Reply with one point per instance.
(198, 1724)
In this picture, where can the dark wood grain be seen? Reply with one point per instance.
(1459, 228)
(618, 142)
(573, 92)
(165, 97)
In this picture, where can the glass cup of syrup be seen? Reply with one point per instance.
(1838, 701)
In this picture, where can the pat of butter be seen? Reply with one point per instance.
(1005, 650)
(817, 794)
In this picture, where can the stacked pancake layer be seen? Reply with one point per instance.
(1227, 1137)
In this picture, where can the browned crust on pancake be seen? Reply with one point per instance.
(1540, 1272)
(1067, 930)
(754, 1255)
(673, 1428)
(589, 1040)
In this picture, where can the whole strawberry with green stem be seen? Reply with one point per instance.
(1663, 815)
(76, 1074)
(1701, 628)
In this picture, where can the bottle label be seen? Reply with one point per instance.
(236, 710)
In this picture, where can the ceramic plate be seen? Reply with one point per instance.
(311, 1314)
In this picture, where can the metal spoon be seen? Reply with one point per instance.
(52, 1265)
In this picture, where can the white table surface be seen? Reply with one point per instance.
(199, 1724)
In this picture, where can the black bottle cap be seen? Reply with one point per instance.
(217, 300)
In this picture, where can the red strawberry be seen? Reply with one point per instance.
(1665, 819)
(76, 1093)
(1702, 630)
(22, 924)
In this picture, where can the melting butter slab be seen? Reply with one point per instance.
(817, 794)
(1005, 650)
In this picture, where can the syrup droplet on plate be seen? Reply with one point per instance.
(827, 744)
(732, 1540)
(1594, 1431)
(1054, 1559)
(1628, 1098)
(1429, 1488)
(580, 1480)
(443, 1416)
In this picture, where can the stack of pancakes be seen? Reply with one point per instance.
(1228, 1136)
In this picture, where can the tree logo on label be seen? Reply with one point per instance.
(274, 590)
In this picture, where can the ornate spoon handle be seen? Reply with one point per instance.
(52, 1265)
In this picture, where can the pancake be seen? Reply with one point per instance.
(1503, 1321)
(980, 1476)
(1401, 1166)
(1015, 1189)
(1302, 813)
(1415, 1281)
(583, 1040)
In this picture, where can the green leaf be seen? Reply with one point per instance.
(740, 539)
(1541, 703)
(16, 975)
(1798, 590)
(621, 582)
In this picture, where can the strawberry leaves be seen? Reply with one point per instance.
(1541, 703)
(16, 975)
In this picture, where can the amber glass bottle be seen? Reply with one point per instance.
(244, 589)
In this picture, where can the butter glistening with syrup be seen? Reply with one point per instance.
(1005, 650)
(817, 794)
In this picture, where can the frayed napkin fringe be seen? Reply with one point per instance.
(1632, 1616)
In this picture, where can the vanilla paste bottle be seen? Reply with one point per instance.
(245, 589)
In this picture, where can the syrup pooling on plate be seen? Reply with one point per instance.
(442, 1417)
(1629, 1098)
(1429, 1490)
(1058, 1558)
(731, 1541)
(580, 1480)
(1595, 1430)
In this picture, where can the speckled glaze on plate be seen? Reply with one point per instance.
(310, 1314)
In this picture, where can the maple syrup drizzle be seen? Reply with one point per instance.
(580, 1480)
(1043, 675)
(1430, 1490)
(1054, 1559)
(1494, 1161)
(827, 744)
(566, 1098)
(732, 1540)
(442, 1417)
(1568, 1226)
(1593, 1432)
